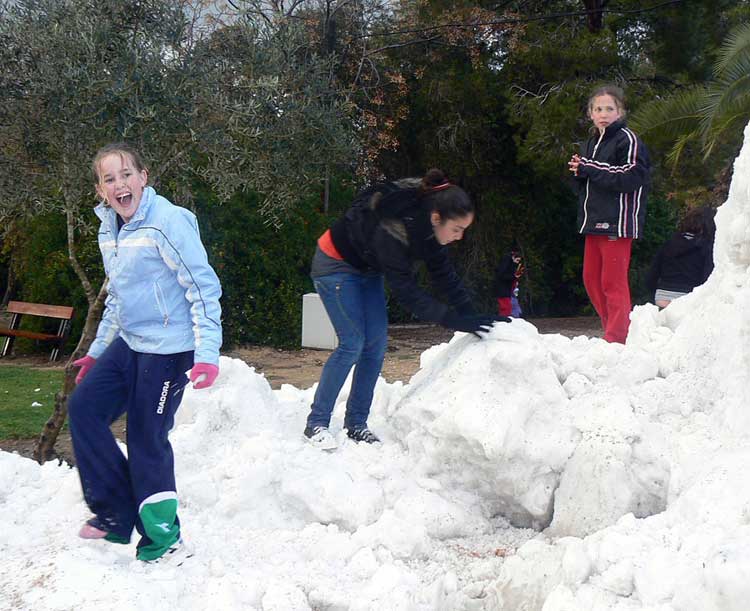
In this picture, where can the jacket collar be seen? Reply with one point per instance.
(105, 213)
(613, 128)
(420, 229)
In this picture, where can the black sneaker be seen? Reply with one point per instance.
(364, 434)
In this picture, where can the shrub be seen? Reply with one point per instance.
(264, 270)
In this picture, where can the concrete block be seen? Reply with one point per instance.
(317, 330)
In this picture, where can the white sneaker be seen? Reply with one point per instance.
(321, 438)
(175, 555)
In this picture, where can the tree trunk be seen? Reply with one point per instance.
(327, 190)
(45, 447)
(595, 16)
(10, 285)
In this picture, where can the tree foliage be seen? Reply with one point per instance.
(76, 74)
(281, 124)
(707, 114)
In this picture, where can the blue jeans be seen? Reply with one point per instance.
(356, 306)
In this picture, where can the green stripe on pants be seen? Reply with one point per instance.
(159, 523)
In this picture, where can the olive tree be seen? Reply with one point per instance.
(229, 104)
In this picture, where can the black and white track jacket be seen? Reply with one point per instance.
(613, 179)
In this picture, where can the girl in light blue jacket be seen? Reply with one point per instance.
(162, 318)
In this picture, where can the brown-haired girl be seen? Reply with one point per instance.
(686, 260)
(161, 318)
(387, 228)
(612, 174)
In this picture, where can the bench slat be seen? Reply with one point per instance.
(39, 309)
(28, 334)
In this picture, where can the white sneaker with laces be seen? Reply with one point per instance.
(321, 438)
(175, 555)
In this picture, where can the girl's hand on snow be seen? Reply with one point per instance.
(203, 375)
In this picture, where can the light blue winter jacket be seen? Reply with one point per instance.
(163, 294)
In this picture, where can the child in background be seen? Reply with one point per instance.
(612, 173)
(508, 272)
(161, 318)
(686, 260)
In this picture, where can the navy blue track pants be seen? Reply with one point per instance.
(139, 490)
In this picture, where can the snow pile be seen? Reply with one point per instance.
(536, 423)
(490, 417)
(277, 525)
(696, 554)
(630, 458)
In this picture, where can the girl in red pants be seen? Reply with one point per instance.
(507, 273)
(612, 173)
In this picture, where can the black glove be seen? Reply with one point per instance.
(477, 323)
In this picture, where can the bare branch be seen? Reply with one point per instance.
(74, 263)
(520, 20)
(408, 43)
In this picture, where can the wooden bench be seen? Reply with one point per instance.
(19, 308)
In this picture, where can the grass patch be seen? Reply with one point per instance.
(21, 389)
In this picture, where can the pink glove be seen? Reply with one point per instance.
(85, 363)
(203, 375)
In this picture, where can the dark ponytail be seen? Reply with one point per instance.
(443, 197)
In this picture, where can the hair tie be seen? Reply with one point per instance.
(445, 185)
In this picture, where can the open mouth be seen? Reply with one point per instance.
(125, 199)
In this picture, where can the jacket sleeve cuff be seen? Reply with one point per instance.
(210, 357)
(96, 349)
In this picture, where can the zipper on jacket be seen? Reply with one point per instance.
(588, 180)
(161, 303)
(596, 146)
(116, 233)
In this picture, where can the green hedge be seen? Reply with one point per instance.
(264, 270)
(44, 275)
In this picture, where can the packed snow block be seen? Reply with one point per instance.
(326, 496)
(617, 467)
(527, 578)
(489, 416)
(317, 330)
(228, 419)
(606, 478)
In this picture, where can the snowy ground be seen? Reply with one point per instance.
(520, 472)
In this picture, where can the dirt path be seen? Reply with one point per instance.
(406, 343)
(302, 368)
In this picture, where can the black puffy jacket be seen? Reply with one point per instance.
(387, 229)
(684, 262)
(613, 179)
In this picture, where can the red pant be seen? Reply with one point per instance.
(605, 276)
(504, 306)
